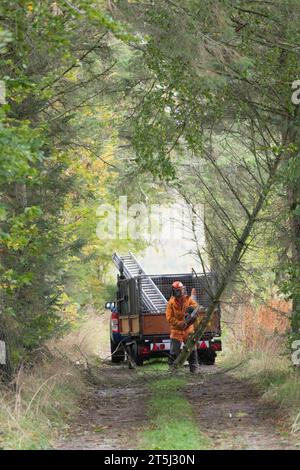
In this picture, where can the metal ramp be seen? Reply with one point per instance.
(153, 300)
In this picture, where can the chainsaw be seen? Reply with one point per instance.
(191, 314)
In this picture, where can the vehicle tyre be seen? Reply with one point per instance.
(207, 356)
(119, 356)
(135, 356)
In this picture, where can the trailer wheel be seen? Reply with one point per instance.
(207, 356)
(119, 356)
(135, 356)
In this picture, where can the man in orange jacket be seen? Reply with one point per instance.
(175, 312)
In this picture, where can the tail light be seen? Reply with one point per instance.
(216, 345)
(115, 322)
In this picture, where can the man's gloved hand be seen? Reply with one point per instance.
(182, 325)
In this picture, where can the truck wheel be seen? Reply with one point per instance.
(119, 356)
(135, 356)
(207, 357)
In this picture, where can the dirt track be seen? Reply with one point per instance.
(227, 410)
(232, 413)
(111, 416)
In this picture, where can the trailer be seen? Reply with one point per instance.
(139, 328)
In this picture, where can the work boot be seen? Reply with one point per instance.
(171, 360)
(193, 362)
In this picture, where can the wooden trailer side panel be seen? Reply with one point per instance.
(155, 324)
(158, 325)
(129, 325)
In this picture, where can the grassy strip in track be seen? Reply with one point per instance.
(172, 424)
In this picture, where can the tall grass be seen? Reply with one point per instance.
(37, 406)
(40, 405)
(258, 340)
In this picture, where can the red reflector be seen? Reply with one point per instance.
(145, 351)
(162, 346)
(216, 346)
(115, 322)
(155, 347)
(203, 345)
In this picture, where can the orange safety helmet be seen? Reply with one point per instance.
(178, 289)
(177, 285)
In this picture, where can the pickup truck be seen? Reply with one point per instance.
(138, 326)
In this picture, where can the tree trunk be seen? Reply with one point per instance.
(294, 204)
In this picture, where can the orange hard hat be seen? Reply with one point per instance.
(177, 285)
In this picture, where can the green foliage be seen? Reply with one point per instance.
(57, 150)
(20, 149)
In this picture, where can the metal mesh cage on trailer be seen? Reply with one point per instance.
(149, 294)
(128, 296)
(205, 285)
